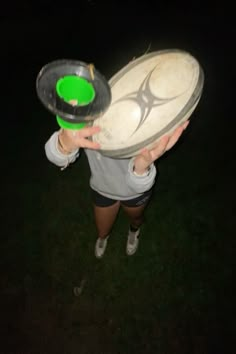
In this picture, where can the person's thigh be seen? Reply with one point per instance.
(105, 213)
(134, 208)
(105, 218)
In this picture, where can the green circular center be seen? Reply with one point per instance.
(78, 92)
(75, 90)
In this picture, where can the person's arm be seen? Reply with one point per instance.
(140, 182)
(63, 146)
(142, 171)
(57, 155)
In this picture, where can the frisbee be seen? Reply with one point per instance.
(74, 91)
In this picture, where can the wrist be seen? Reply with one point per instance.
(141, 172)
(62, 146)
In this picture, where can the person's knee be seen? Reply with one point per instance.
(135, 215)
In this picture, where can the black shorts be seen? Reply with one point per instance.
(101, 201)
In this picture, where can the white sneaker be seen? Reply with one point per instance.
(132, 242)
(100, 246)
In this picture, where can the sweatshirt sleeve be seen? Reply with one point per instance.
(55, 156)
(140, 183)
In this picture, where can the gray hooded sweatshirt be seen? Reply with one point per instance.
(113, 178)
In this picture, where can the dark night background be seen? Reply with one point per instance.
(33, 34)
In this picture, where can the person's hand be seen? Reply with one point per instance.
(69, 140)
(147, 156)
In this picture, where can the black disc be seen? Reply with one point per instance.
(46, 89)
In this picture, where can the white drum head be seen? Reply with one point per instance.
(151, 96)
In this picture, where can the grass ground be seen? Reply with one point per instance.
(176, 295)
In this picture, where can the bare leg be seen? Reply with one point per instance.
(105, 218)
(135, 215)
